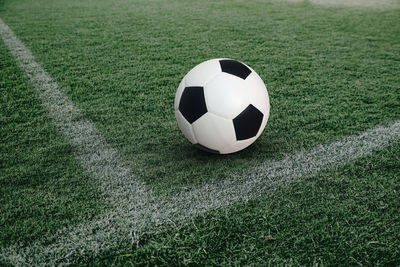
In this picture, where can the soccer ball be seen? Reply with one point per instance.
(222, 106)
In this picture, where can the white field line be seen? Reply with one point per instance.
(123, 227)
(135, 210)
(112, 174)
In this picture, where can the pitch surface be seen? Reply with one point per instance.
(331, 72)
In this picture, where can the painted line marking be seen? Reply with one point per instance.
(135, 210)
(112, 174)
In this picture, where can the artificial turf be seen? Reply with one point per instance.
(331, 71)
(343, 217)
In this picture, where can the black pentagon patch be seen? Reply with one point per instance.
(235, 68)
(192, 104)
(247, 123)
(207, 149)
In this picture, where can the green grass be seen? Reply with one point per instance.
(330, 72)
(349, 216)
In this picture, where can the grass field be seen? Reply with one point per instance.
(332, 70)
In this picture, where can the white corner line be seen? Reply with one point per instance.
(110, 172)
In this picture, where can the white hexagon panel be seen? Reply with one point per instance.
(222, 106)
(215, 133)
(225, 95)
(202, 73)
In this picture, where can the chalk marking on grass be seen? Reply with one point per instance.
(135, 210)
(122, 229)
(111, 174)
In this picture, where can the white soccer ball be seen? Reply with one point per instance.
(222, 106)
